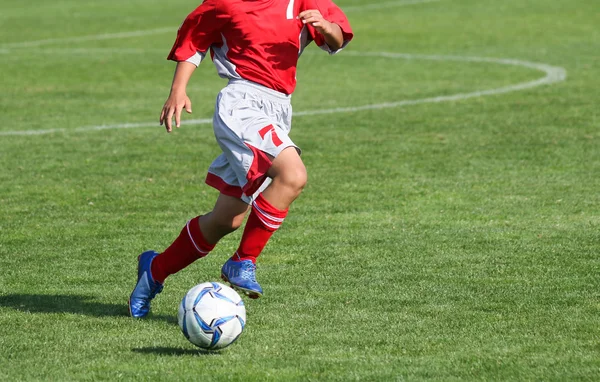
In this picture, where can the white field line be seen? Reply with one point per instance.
(89, 52)
(553, 74)
(149, 32)
(95, 37)
(387, 4)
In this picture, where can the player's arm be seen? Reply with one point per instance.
(199, 31)
(178, 99)
(332, 33)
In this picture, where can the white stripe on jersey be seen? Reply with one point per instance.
(290, 10)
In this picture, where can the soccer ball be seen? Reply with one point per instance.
(212, 315)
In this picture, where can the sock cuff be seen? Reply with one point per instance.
(196, 237)
(270, 216)
(267, 207)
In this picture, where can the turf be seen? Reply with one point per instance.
(450, 240)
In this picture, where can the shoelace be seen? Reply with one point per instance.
(154, 290)
(248, 272)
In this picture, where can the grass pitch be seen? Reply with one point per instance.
(452, 240)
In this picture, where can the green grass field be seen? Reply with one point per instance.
(450, 229)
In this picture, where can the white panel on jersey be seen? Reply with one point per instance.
(225, 68)
(196, 59)
(326, 48)
(304, 41)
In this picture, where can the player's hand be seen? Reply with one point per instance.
(173, 106)
(315, 18)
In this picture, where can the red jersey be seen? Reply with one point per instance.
(255, 40)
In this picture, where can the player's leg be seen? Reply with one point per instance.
(227, 215)
(288, 178)
(269, 210)
(197, 238)
(252, 127)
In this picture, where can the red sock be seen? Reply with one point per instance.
(189, 246)
(262, 222)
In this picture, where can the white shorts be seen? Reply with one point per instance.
(250, 121)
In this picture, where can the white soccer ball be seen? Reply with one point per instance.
(212, 315)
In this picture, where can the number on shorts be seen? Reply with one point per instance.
(290, 10)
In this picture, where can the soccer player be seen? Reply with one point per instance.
(256, 45)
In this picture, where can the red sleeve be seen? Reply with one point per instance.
(334, 14)
(199, 31)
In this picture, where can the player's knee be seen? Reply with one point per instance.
(295, 179)
(289, 173)
(301, 178)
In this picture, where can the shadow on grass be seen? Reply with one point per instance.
(175, 351)
(77, 304)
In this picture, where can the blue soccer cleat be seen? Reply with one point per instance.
(146, 288)
(242, 276)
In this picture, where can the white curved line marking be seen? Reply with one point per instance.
(149, 32)
(553, 75)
